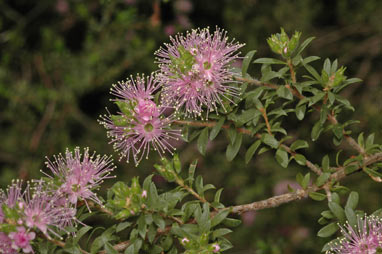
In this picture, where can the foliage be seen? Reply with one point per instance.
(293, 113)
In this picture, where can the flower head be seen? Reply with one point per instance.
(365, 237)
(195, 70)
(80, 175)
(140, 125)
(13, 195)
(6, 244)
(21, 239)
(40, 211)
(216, 247)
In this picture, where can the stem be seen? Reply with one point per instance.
(331, 118)
(309, 164)
(264, 112)
(299, 194)
(190, 190)
(292, 72)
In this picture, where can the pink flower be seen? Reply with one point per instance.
(21, 239)
(185, 240)
(6, 244)
(80, 175)
(40, 211)
(140, 125)
(216, 248)
(195, 70)
(13, 195)
(365, 237)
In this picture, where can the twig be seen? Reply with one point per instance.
(264, 112)
(299, 194)
(330, 117)
(292, 72)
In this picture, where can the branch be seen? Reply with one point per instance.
(299, 194)
(331, 118)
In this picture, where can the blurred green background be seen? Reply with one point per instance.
(58, 59)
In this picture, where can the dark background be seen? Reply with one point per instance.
(58, 59)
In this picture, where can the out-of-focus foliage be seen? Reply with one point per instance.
(58, 60)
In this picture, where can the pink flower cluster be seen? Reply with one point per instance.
(365, 237)
(141, 124)
(195, 70)
(195, 76)
(49, 206)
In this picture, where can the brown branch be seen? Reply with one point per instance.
(309, 164)
(264, 112)
(292, 72)
(299, 194)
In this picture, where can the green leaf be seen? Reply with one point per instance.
(199, 184)
(299, 144)
(219, 217)
(316, 131)
(330, 244)
(251, 151)
(325, 163)
(142, 226)
(361, 141)
(151, 233)
(337, 210)
(263, 150)
(313, 72)
(177, 164)
(300, 159)
(220, 232)
(203, 220)
(217, 195)
(282, 157)
(246, 61)
(122, 226)
(191, 172)
(270, 140)
(328, 230)
(369, 141)
(327, 214)
(317, 196)
(159, 221)
(202, 141)
(351, 168)
(304, 45)
(80, 233)
(232, 150)
(351, 216)
(229, 222)
(322, 179)
(216, 129)
(284, 92)
(300, 111)
(232, 133)
(352, 201)
(269, 61)
(305, 181)
(110, 249)
(310, 59)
